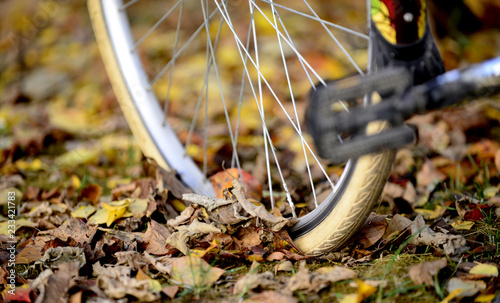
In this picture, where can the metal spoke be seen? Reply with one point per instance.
(240, 49)
(128, 4)
(349, 57)
(184, 46)
(316, 18)
(167, 99)
(165, 16)
(285, 66)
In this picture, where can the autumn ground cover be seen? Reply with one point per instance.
(95, 222)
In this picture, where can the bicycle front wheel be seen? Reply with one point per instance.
(249, 57)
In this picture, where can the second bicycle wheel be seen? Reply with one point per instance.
(202, 83)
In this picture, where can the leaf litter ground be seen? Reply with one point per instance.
(98, 223)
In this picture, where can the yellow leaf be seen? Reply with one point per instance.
(75, 181)
(192, 271)
(35, 165)
(462, 225)
(138, 207)
(452, 295)
(84, 211)
(485, 269)
(77, 156)
(200, 253)
(485, 298)
(178, 205)
(113, 183)
(350, 298)
(364, 290)
(5, 228)
(116, 210)
(14, 193)
(430, 214)
(256, 258)
(100, 217)
(154, 285)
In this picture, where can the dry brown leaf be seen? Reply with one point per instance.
(91, 192)
(183, 218)
(445, 243)
(423, 273)
(325, 276)
(271, 297)
(397, 224)
(116, 283)
(252, 280)
(57, 284)
(191, 272)
(249, 237)
(429, 175)
(156, 236)
(170, 290)
(465, 288)
(224, 180)
(73, 228)
(300, 281)
(130, 258)
(29, 254)
(55, 256)
(260, 211)
(284, 266)
(181, 237)
(275, 256)
(162, 264)
(372, 231)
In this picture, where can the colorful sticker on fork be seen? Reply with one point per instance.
(399, 21)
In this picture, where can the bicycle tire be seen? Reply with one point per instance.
(326, 228)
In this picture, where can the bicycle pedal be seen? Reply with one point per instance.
(386, 82)
(358, 146)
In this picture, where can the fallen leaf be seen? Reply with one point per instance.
(170, 290)
(463, 225)
(465, 288)
(364, 291)
(29, 254)
(372, 231)
(91, 192)
(249, 236)
(83, 211)
(156, 236)
(55, 256)
(277, 223)
(194, 272)
(429, 175)
(430, 214)
(58, 284)
(183, 218)
(22, 222)
(181, 237)
(223, 180)
(137, 207)
(275, 256)
(423, 273)
(446, 243)
(284, 266)
(252, 280)
(73, 228)
(485, 269)
(116, 283)
(270, 297)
